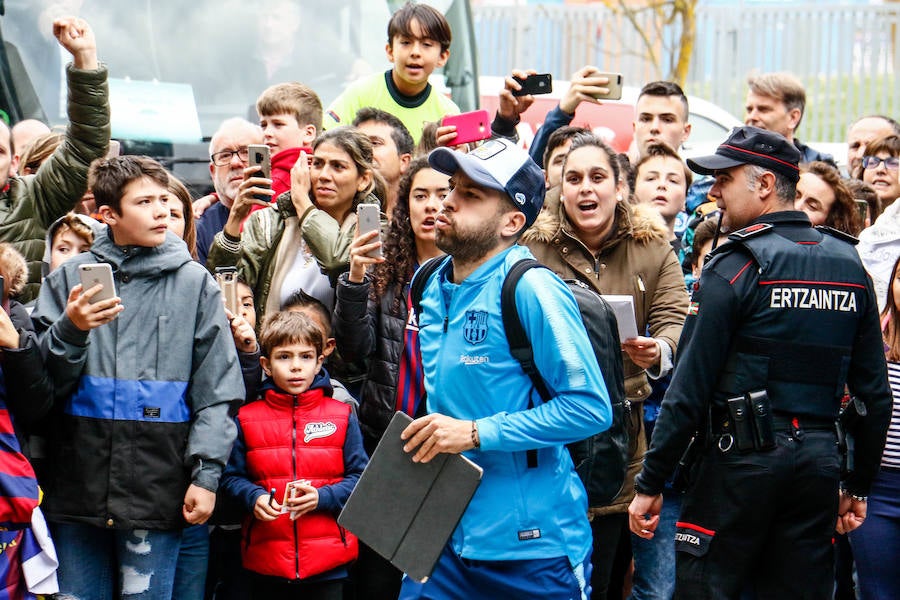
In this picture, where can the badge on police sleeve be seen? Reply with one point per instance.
(692, 538)
(694, 308)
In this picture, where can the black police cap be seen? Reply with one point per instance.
(755, 146)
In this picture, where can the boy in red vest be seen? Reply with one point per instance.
(297, 457)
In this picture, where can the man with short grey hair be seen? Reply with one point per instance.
(227, 160)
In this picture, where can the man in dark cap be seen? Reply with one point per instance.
(784, 317)
(525, 534)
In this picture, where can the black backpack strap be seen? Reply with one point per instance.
(519, 345)
(420, 280)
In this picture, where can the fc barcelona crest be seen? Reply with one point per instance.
(475, 329)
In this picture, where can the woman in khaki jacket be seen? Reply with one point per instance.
(596, 236)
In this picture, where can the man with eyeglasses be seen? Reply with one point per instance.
(879, 245)
(227, 160)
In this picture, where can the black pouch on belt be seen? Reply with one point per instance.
(763, 426)
(739, 414)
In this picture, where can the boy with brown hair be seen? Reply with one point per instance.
(146, 434)
(418, 43)
(290, 115)
(297, 457)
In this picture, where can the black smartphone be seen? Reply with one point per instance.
(542, 83)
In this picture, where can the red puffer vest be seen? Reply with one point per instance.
(288, 438)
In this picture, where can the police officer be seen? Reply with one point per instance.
(784, 317)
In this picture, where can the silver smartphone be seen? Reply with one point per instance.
(227, 279)
(368, 218)
(94, 273)
(259, 157)
(614, 86)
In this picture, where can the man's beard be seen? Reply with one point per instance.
(468, 246)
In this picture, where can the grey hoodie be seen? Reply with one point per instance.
(150, 414)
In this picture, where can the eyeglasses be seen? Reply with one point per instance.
(223, 158)
(871, 162)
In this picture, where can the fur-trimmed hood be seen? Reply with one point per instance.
(639, 221)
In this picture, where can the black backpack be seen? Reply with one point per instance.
(601, 461)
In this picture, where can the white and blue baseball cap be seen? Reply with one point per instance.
(499, 165)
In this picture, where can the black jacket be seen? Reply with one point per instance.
(810, 295)
(371, 333)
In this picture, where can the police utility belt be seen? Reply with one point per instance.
(749, 424)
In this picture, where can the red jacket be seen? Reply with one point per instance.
(289, 438)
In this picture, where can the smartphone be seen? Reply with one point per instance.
(259, 157)
(94, 273)
(614, 86)
(862, 207)
(470, 126)
(226, 277)
(542, 83)
(368, 218)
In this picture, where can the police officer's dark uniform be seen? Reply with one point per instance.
(784, 316)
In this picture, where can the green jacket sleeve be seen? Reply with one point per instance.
(62, 180)
(328, 240)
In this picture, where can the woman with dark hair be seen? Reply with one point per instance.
(372, 308)
(371, 315)
(826, 199)
(876, 543)
(303, 240)
(597, 237)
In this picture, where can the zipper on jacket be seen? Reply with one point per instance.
(597, 266)
(446, 323)
(341, 532)
(294, 478)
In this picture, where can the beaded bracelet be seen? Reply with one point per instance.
(476, 442)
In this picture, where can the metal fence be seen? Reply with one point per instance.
(845, 55)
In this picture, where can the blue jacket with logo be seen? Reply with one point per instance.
(517, 512)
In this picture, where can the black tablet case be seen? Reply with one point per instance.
(407, 511)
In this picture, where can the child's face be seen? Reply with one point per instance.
(415, 58)
(66, 244)
(245, 301)
(293, 367)
(176, 216)
(660, 182)
(282, 131)
(144, 214)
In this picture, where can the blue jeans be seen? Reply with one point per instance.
(876, 544)
(193, 558)
(654, 559)
(102, 564)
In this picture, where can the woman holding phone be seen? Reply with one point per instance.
(303, 240)
(596, 236)
(371, 313)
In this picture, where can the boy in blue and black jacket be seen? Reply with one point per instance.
(144, 438)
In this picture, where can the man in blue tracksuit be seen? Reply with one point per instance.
(525, 533)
